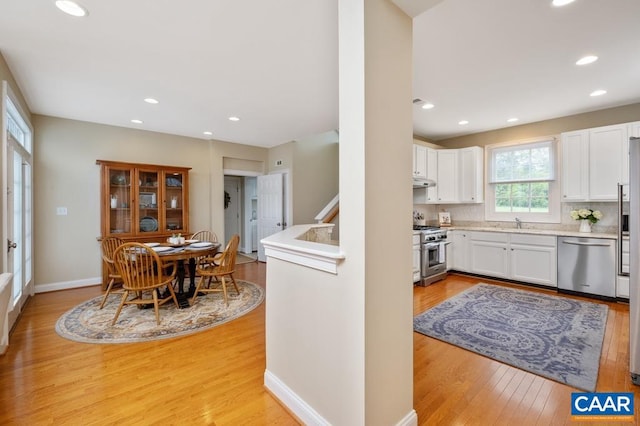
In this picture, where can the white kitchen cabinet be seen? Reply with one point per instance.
(416, 257)
(458, 250)
(608, 161)
(447, 181)
(419, 161)
(432, 173)
(471, 183)
(575, 166)
(488, 254)
(533, 259)
(458, 173)
(520, 257)
(622, 287)
(594, 161)
(633, 129)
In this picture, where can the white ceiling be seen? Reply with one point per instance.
(274, 63)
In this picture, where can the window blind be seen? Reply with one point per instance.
(530, 162)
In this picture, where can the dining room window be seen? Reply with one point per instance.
(522, 182)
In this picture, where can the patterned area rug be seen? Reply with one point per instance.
(88, 324)
(554, 337)
(243, 258)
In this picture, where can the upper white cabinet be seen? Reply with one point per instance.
(447, 181)
(594, 161)
(471, 182)
(575, 165)
(419, 161)
(458, 173)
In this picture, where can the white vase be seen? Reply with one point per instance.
(585, 225)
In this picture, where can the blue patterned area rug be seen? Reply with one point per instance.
(554, 337)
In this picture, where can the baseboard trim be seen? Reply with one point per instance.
(411, 419)
(305, 413)
(66, 285)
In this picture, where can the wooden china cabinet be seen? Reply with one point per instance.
(142, 202)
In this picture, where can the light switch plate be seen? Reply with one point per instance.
(61, 211)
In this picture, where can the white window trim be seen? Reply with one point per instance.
(555, 206)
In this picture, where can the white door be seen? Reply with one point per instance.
(231, 207)
(270, 208)
(19, 209)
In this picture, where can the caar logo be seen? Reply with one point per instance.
(602, 406)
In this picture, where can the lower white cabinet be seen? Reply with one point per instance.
(534, 259)
(416, 257)
(522, 257)
(622, 287)
(458, 250)
(489, 254)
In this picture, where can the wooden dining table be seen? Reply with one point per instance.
(179, 253)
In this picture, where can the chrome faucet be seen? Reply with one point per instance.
(518, 223)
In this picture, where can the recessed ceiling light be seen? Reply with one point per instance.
(234, 118)
(428, 105)
(151, 101)
(463, 122)
(598, 92)
(71, 8)
(207, 133)
(512, 120)
(559, 3)
(587, 60)
(136, 121)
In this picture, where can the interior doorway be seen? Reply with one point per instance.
(232, 207)
(241, 211)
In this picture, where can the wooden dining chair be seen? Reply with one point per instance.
(221, 267)
(205, 236)
(108, 247)
(143, 272)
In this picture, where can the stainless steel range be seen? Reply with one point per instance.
(433, 254)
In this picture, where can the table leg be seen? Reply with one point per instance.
(180, 276)
(192, 276)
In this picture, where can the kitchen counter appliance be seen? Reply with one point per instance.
(634, 259)
(433, 254)
(587, 265)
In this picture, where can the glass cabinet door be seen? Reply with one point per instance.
(120, 212)
(174, 201)
(148, 199)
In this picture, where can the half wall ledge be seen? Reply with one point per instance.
(306, 245)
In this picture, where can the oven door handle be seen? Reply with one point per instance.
(435, 245)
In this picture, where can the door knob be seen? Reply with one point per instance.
(278, 224)
(10, 245)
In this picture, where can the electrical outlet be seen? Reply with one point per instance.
(61, 211)
(278, 162)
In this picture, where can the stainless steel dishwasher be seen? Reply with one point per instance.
(587, 265)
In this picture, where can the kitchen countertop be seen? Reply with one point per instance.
(551, 232)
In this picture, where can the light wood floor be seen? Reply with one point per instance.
(216, 376)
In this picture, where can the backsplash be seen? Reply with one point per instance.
(473, 215)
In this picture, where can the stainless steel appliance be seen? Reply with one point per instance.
(634, 259)
(587, 265)
(623, 227)
(433, 254)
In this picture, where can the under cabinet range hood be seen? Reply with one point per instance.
(423, 183)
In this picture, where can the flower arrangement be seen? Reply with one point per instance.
(592, 216)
